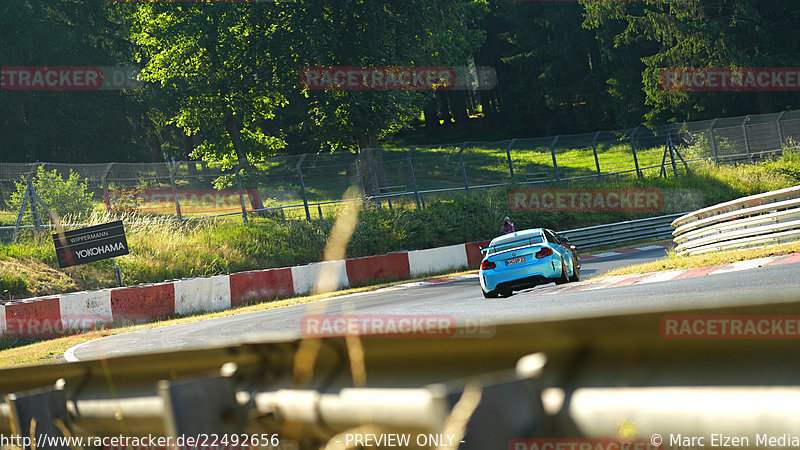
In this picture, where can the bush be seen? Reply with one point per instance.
(788, 164)
(12, 285)
(62, 197)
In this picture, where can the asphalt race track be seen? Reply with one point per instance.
(462, 299)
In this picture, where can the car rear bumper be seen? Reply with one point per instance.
(527, 275)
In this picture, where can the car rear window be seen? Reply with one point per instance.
(519, 243)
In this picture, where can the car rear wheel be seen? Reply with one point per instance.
(576, 271)
(490, 294)
(564, 277)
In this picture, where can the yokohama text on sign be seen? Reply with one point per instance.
(90, 244)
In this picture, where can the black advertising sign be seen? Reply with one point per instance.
(90, 244)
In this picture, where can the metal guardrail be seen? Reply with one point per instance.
(653, 228)
(754, 221)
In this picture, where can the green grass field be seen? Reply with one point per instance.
(169, 250)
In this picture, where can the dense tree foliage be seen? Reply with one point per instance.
(221, 80)
(77, 126)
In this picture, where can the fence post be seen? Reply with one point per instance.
(662, 173)
(413, 178)
(37, 222)
(780, 130)
(746, 140)
(241, 191)
(635, 158)
(172, 171)
(104, 180)
(672, 156)
(714, 142)
(361, 180)
(508, 155)
(361, 183)
(21, 210)
(303, 184)
(596, 159)
(553, 154)
(34, 198)
(463, 168)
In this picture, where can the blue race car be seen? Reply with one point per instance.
(526, 258)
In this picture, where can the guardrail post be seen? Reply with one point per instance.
(780, 130)
(508, 155)
(241, 191)
(413, 178)
(553, 154)
(596, 159)
(746, 140)
(714, 142)
(463, 168)
(635, 158)
(172, 171)
(303, 184)
(42, 410)
(202, 405)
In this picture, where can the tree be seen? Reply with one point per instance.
(694, 33)
(231, 67)
(368, 33)
(67, 126)
(63, 197)
(209, 59)
(548, 66)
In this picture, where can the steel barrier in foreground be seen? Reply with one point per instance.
(590, 379)
(754, 221)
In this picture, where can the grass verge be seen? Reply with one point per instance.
(673, 262)
(170, 250)
(19, 352)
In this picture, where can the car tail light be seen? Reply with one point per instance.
(486, 265)
(544, 253)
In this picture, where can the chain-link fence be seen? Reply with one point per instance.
(310, 186)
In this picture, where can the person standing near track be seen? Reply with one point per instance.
(508, 226)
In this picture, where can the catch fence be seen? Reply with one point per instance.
(310, 186)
